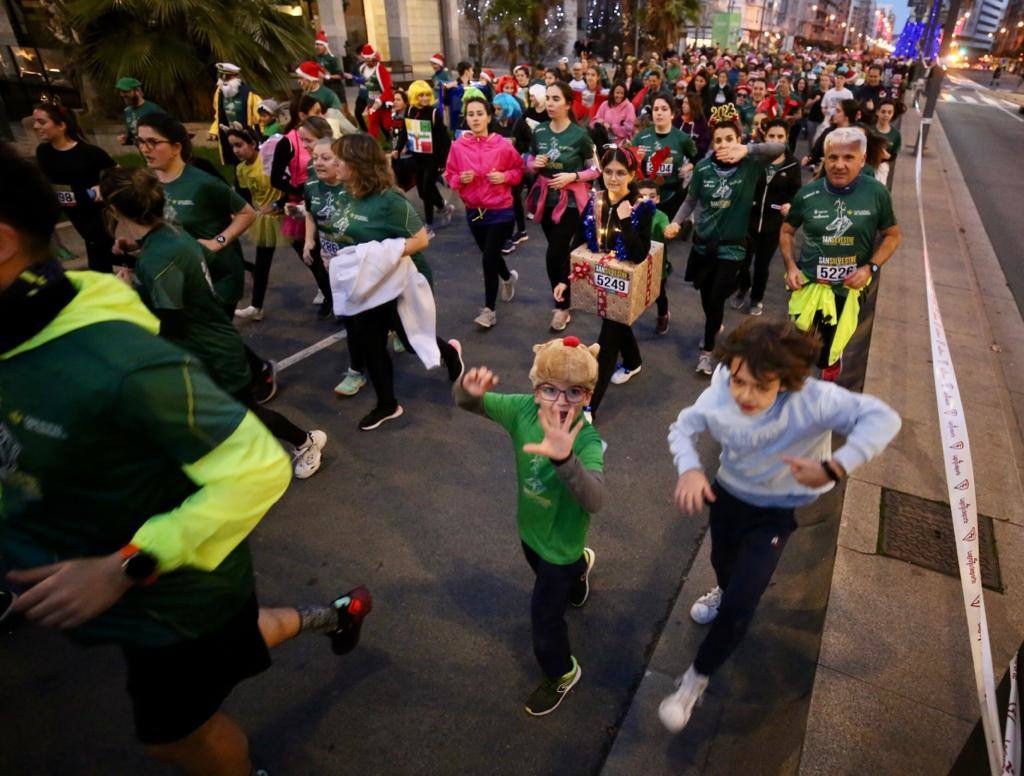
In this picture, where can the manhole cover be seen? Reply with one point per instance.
(920, 531)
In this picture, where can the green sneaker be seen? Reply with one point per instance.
(546, 698)
(396, 343)
(351, 384)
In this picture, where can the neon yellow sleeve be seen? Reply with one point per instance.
(215, 126)
(238, 482)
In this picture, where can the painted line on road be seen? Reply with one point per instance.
(1011, 114)
(968, 98)
(313, 349)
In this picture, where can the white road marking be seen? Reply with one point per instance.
(968, 98)
(948, 97)
(305, 353)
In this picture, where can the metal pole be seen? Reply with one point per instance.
(938, 71)
(636, 36)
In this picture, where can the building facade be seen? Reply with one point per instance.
(980, 25)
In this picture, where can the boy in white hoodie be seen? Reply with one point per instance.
(775, 426)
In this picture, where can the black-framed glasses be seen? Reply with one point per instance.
(573, 395)
(148, 143)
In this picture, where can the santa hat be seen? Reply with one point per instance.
(487, 75)
(368, 52)
(437, 59)
(524, 68)
(310, 71)
(321, 40)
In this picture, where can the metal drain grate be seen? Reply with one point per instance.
(920, 531)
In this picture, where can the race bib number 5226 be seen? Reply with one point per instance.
(835, 269)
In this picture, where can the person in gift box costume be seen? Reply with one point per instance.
(560, 472)
(616, 220)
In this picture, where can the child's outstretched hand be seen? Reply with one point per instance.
(559, 435)
(478, 381)
(692, 490)
(810, 473)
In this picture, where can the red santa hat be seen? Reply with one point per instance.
(437, 59)
(487, 75)
(321, 40)
(524, 68)
(368, 52)
(310, 71)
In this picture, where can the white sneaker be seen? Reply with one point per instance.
(705, 608)
(623, 375)
(706, 363)
(319, 298)
(486, 319)
(447, 213)
(250, 313)
(739, 301)
(675, 710)
(508, 287)
(560, 319)
(757, 308)
(307, 457)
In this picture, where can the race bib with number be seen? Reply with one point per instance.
(329, 248)
(835, 269)
(65, 196)
(613, 281)
(420, 137)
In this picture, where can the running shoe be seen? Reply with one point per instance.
(508, 287)
(508, 247)
(757, 308)
(352, 609)
(739, 301)
(676, 709)
(351, 384)
(623, 375)
(431, 234)
(520, 237)
(265, 386)
(486, 319)
(396, 344)
(319, 298)
(378, 417)
(706, 363)
(831, 373)
(551, 692)
(581, 590)
(447, 213)
(457, 368)
(661, 327)
(560, 319)
(307, 457)
(705, 608)
(249, 313)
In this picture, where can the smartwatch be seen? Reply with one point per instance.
(222, 240)
(137, 565)
(874, 267)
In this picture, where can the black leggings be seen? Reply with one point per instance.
(760, 251)
(100, 253)
(279, 425)
(260, 270)
(490, 238)
(615, 338)
(361, 103)
(517, 206)
(716, 287)
(323, 280)
(553, 585)
(560, 237)
(426, 186)
(746, 545)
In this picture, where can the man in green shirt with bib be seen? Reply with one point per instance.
(135, 107)
(841, 215)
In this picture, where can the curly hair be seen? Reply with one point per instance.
(369, 169)
(772, 350)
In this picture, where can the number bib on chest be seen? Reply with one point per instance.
(329, 248)
(834, 269)
(611, 280)
(65, 196)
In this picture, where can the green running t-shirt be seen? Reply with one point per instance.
(726, 202)
(567, 151)
(682, 148)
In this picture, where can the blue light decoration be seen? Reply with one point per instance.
(910, 41)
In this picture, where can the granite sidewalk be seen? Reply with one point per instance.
(857, 662)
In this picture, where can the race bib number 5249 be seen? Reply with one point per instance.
(611, 281)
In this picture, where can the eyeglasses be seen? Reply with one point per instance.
(148, 143)
(573, 395)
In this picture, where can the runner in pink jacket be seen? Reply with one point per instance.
(483, 167)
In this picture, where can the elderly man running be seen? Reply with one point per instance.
(841, 214)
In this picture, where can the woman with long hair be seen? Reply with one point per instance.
(172, 279)
(617, 114)
(483, 167)
(509, 122)
(666, 153)
(587, 102)
(691, 121)
(370, 209)
(616, 219)
(73, 168)
(562, 155)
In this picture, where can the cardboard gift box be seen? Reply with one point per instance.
(617, 290)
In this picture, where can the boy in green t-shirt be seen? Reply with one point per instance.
(649, 190)
(560, 468)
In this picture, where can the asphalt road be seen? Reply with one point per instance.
(987, 136)
(421, 510)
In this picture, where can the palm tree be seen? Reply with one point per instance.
(171, 45)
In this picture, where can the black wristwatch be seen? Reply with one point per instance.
(874, 267)
(222, 240)
(138, 566)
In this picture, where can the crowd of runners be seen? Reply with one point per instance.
(126, 503)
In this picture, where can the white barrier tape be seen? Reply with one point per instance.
(956, 450)
(1011, 741)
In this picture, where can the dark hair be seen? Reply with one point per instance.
(58, 114)
(647, 184)
(243, 133)
(567, 94)
(774, 123)
(553, 72)
(757, 78)
(731, 126)
(772, 350)
(318, 126)
(897, 106)
(874, 67)
(135, 193)
(611, 92)
(667, 98)
(27, 201)
(462, 67)
(851, 108)
(626, 158)
(403, 94)
(479, 99)
(171, 129)
(370, 169)
(306, 103)
(696, 104)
